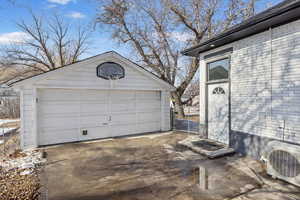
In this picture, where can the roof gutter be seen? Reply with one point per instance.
(258, 24)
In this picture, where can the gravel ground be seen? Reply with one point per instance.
(20, 172)
(15, 186)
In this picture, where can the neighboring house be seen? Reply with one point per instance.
(250, 81)
(192, 107)
(9, 102)
(99, 97)
(7, 92)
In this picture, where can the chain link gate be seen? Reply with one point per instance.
(188, 123)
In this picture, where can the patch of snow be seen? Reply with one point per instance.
(32, 159)
(3, 121)
(27, 165)
(169, 148)
(5, 130)
(26, 172)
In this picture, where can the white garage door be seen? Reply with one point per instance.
(66, 115)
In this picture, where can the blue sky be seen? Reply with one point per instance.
(73, 10)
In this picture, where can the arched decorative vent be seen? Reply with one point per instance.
(284, 163)
(110, 71)
(218, 90)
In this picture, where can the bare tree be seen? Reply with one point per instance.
(192, 91)
(49, 44)
(158, 30)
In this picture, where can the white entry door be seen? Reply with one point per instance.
(218, 112)
(66, 115)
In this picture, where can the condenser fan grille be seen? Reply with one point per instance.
(284, 163)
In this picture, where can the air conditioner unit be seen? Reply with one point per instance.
(283, 161)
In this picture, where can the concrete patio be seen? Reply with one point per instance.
(154, 167)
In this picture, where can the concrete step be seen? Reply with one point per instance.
(207, 147)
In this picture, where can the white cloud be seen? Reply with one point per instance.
(13, 37)
(62, 2)
(76, 15)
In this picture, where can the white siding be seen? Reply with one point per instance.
(165, 118)
(85, 77)
(265, 83)
(251, 84)
(27, 132)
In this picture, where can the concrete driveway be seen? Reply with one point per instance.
(149, 167)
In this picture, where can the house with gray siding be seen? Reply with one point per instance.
(250, 81)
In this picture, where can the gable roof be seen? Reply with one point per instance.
(282, 13)
(86, 60)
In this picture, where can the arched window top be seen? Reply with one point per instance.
(110, 71)
(218, 90)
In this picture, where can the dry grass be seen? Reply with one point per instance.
(10, 124)
(10, 145)
(17, 186)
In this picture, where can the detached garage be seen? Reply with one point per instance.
(103, 96)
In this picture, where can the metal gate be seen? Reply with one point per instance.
(189, 123)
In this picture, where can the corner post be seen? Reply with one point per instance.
(34, 116)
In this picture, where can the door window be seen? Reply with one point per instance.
(218, 90)
(218, 70)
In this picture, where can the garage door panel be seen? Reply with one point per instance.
(121, 100)
(64, 114)
(121, 108)
(145, 95)
(59, 95)
(95, 133)
(86, 108)
(148, 127)
(93, 121)
(149, 99)
(148, 117)
(148, 107)
(58, 116)
(95, 95)
(60, 136)
(149, 110)
(57, 123)
(120, 96)
(123, 129)
(123, 119)
(59, 109)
